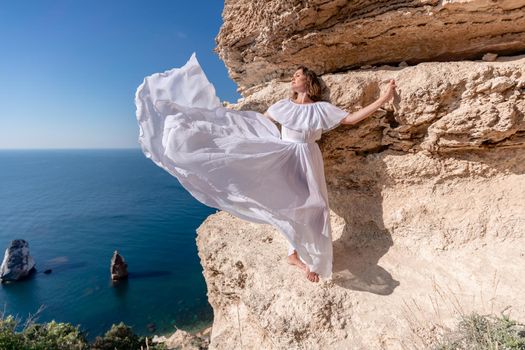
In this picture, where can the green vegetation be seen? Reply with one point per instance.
(480, 332)
(64, 336)
(122, 337)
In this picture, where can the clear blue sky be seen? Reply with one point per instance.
(69, 69)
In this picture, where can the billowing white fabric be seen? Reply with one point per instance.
(237, 161)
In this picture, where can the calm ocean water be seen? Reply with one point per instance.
(75, 207)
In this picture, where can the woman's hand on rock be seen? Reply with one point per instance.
(391, 89)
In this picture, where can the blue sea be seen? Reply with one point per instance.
(75, 208)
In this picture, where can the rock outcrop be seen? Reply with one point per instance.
(383, 295)
(17, 263)
(262, 41)
(118, 267)
(440, 106)
(427, 194)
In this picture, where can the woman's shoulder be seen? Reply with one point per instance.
(280, 102)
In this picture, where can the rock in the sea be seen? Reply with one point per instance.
(17, 262)
(119, 268)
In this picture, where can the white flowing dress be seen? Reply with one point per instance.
(238, 161)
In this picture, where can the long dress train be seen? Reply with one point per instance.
(238, 161)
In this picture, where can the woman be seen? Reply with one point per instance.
(239, 162)
(306, 90)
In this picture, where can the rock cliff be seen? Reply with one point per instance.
(427, 194)
(261, 41)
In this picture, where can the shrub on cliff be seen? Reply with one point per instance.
(54, 335)
(122, 337)
(51, 335)
(476, 332)
(9, 339)
(64, 336)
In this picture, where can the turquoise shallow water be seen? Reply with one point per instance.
(75, 207)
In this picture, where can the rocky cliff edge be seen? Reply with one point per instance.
(427, 194)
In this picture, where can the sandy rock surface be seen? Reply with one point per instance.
(380, 297)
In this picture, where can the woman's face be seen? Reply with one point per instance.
(298, 81)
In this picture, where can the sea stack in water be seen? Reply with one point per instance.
(119, 268)
(17, 262)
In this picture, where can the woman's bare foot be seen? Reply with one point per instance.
(312, 276)
(293, 259)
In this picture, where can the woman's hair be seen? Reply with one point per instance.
(313, 86)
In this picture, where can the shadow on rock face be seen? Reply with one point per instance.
(357, 253)
(364, 239)
(357, 269)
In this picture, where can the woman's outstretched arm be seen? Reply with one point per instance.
(363, 113)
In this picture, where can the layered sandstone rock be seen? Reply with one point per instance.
(427, 194)
(440, 106)
(262, 41)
